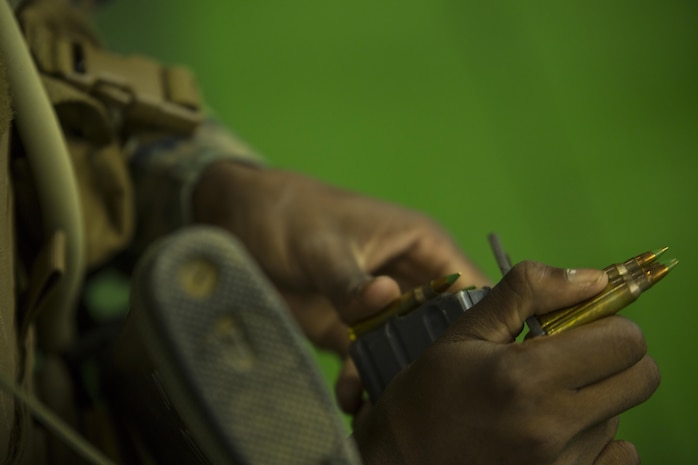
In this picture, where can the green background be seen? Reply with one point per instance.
(568, 127)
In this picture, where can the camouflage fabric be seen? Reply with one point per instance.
(165, 170)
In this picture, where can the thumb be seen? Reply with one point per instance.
(528, 289)
(371, 296)
(335, 270)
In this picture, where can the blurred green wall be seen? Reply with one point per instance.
(568, 127)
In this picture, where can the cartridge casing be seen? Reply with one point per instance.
(626, 282)
(609, 301)
(633, 265)
(406, 303)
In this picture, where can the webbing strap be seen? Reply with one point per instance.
(52, 422)
(149, 94)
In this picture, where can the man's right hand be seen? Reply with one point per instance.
(478, 397)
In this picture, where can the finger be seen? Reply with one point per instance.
(586, 446)
(587, 354)
(319, 321)
(616, 394)
(528, 289)
(334, 268)
(374, 295)
(361, 416)
(348, 388)
(618, 453)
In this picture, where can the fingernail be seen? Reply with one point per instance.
(583, 276)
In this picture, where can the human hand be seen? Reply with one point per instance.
(477, 397)
(337, 257)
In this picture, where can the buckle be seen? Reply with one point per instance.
(148, 94)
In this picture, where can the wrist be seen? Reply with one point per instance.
(222, 184)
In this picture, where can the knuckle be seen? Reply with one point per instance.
(630, 342)
(516, 281)
(535, 271)
(634, 336)
(526, 276)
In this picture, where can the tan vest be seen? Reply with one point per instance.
(99, 98)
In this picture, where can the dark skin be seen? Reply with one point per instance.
(476, 396)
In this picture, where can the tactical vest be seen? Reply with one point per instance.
(101, 100)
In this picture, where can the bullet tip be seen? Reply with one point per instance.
(659, 252)
(450, 279)
(671, 263)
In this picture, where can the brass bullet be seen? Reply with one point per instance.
(657, 271)
(625, 289)
(634, 264)
(404, 304)
(615, 273)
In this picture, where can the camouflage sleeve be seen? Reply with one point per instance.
(165, 170)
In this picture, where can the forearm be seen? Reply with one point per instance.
(166, 172)
(224, 188)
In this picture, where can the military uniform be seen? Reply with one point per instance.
(138, 144)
